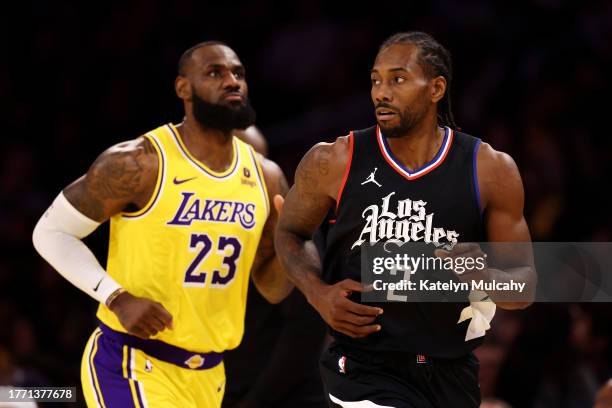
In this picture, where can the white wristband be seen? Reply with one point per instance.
(57, 238)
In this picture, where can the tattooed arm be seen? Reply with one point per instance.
(317, 181)
(123, 177)
(267, 273)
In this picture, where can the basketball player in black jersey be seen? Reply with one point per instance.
(402, 354)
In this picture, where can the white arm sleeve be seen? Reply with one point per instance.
(57, 238)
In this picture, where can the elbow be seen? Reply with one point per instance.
(272, 298)
(273, 291)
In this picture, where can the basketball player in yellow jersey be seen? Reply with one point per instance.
(191, 219)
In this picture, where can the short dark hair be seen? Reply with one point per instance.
(182, 63)
(435, 61)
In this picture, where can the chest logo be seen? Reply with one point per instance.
(177, 181)
(196, 209)
(408, 221)
(371, 178)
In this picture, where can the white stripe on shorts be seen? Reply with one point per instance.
(357, 404)
(132, 375)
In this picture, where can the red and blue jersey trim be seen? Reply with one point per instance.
(415, 174)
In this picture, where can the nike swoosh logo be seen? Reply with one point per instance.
(98, 285)
(175, 181)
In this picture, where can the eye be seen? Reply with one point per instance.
(213, 74)
(399, 80)
(239, 75)
(375, 81)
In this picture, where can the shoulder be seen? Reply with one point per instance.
(327, 157)
(270, 169)
(134, 162)
(253, 136)
(498, 175)
(136, 152)
(274, 177)
(497, 164)
(322, 168)
(124, 174)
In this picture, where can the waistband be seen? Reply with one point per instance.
(396, 356)
(164, 351)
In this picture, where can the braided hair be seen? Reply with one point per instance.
(435, 61)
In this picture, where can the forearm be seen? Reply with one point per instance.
(300, 259)
(271, 281)
(510, 300)
(57, 238)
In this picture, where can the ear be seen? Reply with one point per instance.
(182, 87)
(438, 88)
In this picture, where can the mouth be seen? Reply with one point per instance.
(234, 97)
(384, 114)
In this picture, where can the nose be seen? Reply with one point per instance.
(230, 82)
(382, 93)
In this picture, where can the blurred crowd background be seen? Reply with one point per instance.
(531, 79)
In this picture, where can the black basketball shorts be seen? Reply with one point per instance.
(361, 379)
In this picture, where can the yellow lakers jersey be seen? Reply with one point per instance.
(192, 246)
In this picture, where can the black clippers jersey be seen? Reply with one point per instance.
(375, 184)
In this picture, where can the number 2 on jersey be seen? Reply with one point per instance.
(204, 244)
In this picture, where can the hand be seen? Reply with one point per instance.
(279, 202)
(141, 317)
(474, 263)
(342, 314)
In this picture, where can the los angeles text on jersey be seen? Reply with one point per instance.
(195, 209)
(409, 222)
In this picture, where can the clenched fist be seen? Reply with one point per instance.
(140, 316)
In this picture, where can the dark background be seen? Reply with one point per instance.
(531, 79)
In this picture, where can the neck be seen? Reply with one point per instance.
(419, 145)
(212, 147)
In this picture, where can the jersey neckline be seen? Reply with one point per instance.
(423, 170)
(207, 170)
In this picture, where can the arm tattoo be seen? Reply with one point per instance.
(87, 205)
(323, 162)
(112, 181)
(116, 176)
(311, 177)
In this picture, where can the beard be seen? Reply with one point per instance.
(222, 117)
(408, 119)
